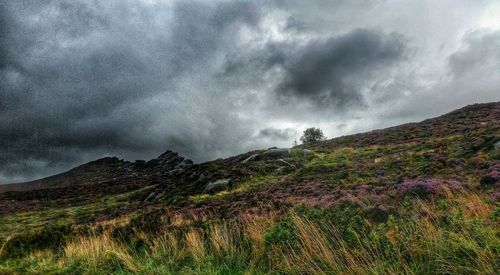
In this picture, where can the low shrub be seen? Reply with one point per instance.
(50, 237)
(282, 233)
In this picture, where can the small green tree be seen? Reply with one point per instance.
(312, 135)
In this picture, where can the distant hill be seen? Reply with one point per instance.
(100, 171)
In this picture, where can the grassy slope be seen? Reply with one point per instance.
(418, 198)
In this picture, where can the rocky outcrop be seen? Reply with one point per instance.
(275, 153)
(250, 158)
(216, 185)
(285, 166)
(170, 161)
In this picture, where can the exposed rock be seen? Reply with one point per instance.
(497, 145)
(250, 158)
(159, 196)
(282, 161)
(194, 176)
(216, 185)
(287, 166)
(150, 196)
(170, 160)
(202, 176)
(185, 163)
(455, 161)
(306, 152)
(276, 153)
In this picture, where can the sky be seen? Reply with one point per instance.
(81, 80)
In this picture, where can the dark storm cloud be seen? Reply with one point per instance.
(74, 74)
(3, 37)
(328, 72)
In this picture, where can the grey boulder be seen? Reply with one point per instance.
(216, 185)
(276, 153)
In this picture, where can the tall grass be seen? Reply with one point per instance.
(458, 236)
(95, 253)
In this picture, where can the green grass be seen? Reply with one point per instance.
(34, 220)
(457, 235)
(381, 165)
(253, 183)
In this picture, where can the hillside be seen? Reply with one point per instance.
(418, 198)
(101, 171)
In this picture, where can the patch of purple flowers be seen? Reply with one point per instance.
(426, 187)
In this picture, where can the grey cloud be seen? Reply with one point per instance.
(329, 72)
(286, 134)
(480, 50)
(322, 16)
(295, 24)
(3, 38)
(473, 77)
(200, 29)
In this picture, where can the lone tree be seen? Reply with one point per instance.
(312, 135)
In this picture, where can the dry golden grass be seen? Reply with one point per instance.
(166, 246)
(474, 206)
(119, 221)
(94, 250)
(223, 239)
(2, 247)
(194, 241)
(254, 232)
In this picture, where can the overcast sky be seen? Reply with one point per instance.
(80, 80)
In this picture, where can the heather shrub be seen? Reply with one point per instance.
(49, 237)
(150, 221)
(424, 188)
(377, 213)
